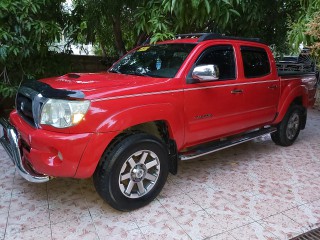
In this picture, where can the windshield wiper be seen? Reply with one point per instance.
(129, 73)
(114, 71)
(138, 74)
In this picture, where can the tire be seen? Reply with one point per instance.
(289, 128)
(132, 171)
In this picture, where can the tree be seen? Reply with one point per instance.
(247, 18)
(119, 25)
(28, 28)
(108, 23)
(160, 18)
(314, 32)
(300, 29)
(132, 21)
(268, 20)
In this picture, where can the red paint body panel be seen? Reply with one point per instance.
(293, 87)
(194, 113)
(45, 147)
(93, 152)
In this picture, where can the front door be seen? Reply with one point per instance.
(213, 109)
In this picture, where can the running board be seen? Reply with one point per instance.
(216, 146)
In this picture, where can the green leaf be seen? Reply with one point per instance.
(195, 3)
(235, 12)
(173, 3)
(208, 7)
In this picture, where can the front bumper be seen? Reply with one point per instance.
(39, 153)
(9, 139)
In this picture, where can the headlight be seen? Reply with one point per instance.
(63, 113)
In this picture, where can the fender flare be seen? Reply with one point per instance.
(284, 104)
(122, 120)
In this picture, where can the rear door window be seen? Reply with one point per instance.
(255, 62)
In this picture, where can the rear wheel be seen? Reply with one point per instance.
(132, 172)
(289, 128)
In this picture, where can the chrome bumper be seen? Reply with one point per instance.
(9, 139)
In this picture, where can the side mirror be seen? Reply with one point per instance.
(205, 73)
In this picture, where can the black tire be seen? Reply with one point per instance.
(145, 150)
(289, 128)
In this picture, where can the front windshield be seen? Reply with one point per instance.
(163, 60)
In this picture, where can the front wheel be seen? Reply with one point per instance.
(289, 128)
(132, 172)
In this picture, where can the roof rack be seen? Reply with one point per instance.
(189, 35)
(212, 36)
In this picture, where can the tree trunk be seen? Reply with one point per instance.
(141, 39)
(104, 51)
(116, 24)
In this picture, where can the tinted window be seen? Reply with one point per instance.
(255, 62)
(223, 57)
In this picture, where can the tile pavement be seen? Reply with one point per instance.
(256, 190)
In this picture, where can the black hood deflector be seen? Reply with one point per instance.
(48, 92)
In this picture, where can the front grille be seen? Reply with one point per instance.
(28, 104)
(24, 108)
(311, 235)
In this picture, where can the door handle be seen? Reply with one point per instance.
(237, 91)
(273, 87)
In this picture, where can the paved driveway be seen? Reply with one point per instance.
(256, 190)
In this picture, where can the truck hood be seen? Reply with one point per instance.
(100, 85)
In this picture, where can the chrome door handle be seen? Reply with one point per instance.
(237, 91)
(273, 87)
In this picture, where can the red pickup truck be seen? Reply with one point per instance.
(175, 100)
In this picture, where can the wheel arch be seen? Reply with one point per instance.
(160, 129)
(146, 117)
(297, 96)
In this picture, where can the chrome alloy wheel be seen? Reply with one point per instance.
(139, 174)
(293, 126)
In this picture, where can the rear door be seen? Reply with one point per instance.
(260, 86)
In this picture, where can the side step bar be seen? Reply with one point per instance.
(216, 146)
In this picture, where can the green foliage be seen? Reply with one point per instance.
(160, 19)
(96, 21)
(28, 28)
(299, 28)
(267, 20)
(7, 90)
(163, 18)
(24, 30)
(248, 18)
(153, 20)
(314, 32)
